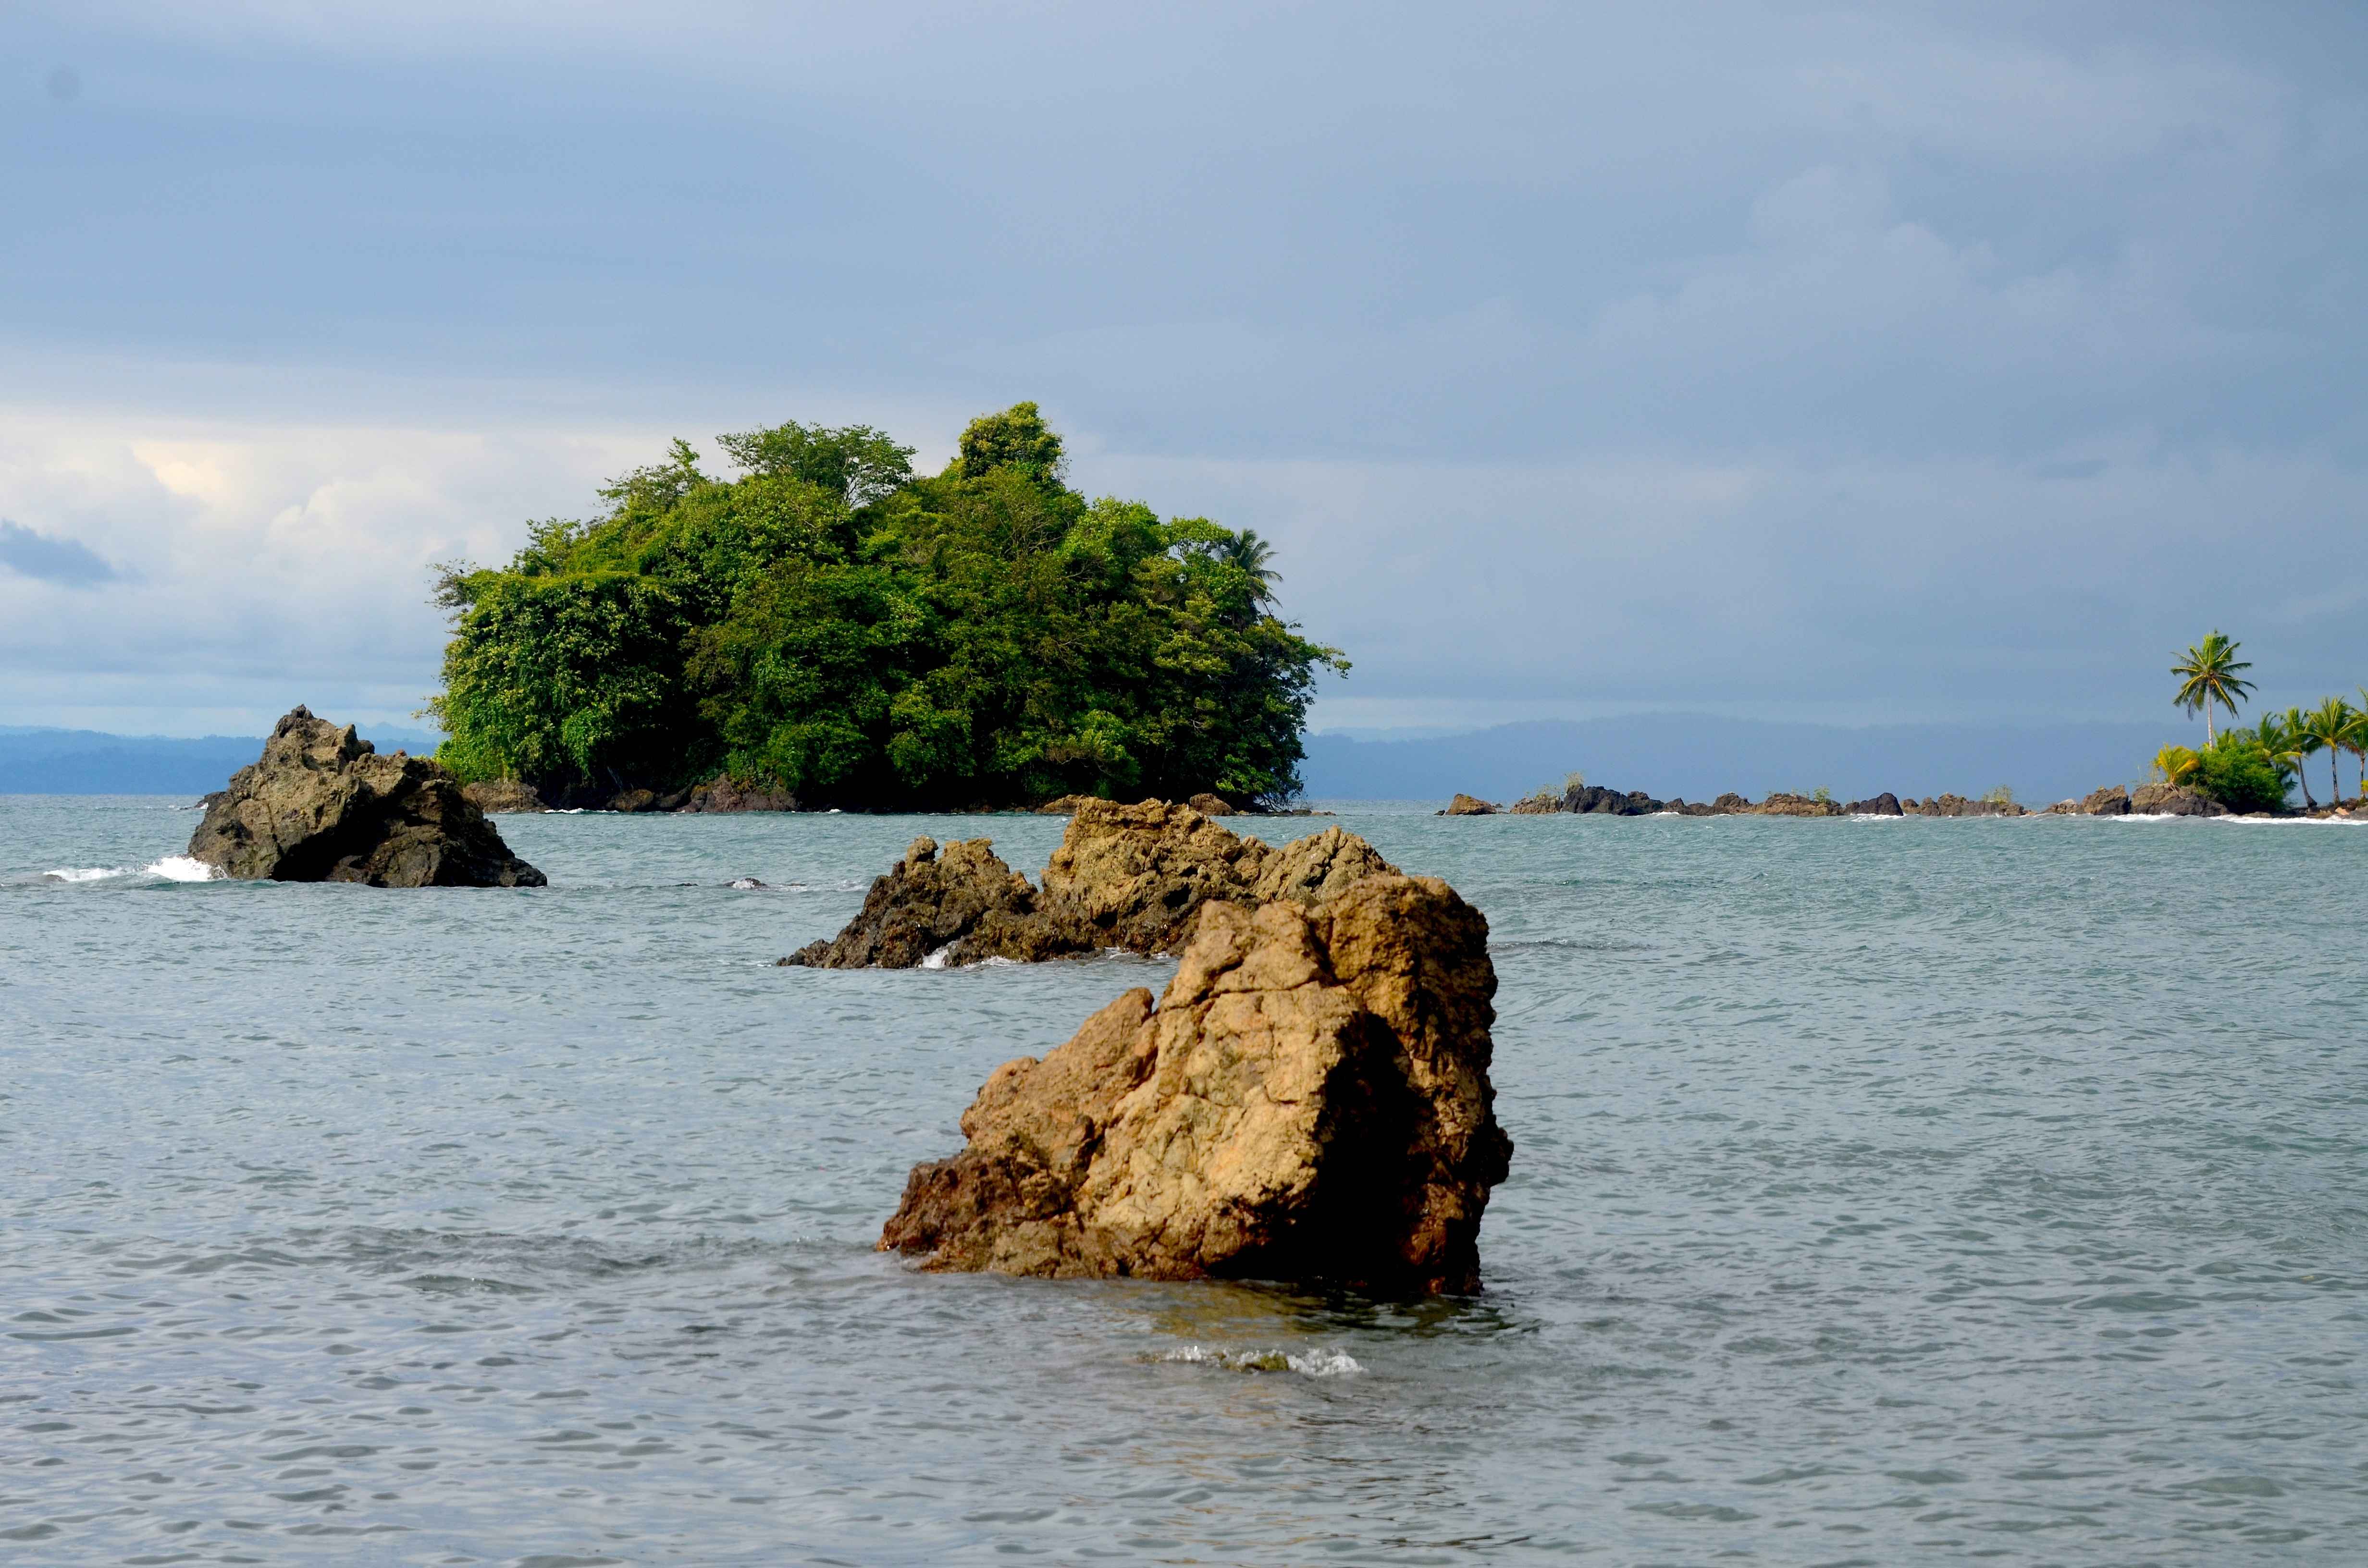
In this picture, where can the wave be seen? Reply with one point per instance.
(85, 873)
(171, 868)
(1315, 1364)
(181, 869)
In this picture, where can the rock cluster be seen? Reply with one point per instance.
(322, 805)
(1958, 806)
(1128, 877)
(1309, 1099)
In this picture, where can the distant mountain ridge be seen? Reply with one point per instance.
(91, 762)
(1697, 756)
(1663, 753)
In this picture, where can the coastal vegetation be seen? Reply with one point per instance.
(831, 625)
(2253, 769)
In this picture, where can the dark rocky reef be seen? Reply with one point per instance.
(321, 805)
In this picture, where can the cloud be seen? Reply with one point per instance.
(31, 554)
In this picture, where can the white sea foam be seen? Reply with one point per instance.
(1315, 1364)
(87, 873)
(938, 958)
(181, 869)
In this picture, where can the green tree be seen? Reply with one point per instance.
(2329, 727)
(1015, 439)
(858, 463)
(2208, 678)
(2238, 773)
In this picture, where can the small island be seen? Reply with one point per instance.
(830, 631)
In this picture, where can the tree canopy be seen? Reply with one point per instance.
(830, 624)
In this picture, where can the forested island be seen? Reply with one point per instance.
(832, 628)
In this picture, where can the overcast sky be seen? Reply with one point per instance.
(1861, 364)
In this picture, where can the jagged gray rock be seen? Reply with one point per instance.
(321, 805)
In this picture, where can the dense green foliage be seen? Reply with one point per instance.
(831, 624)
(2238, 771)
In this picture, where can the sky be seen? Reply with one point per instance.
(1856, 364)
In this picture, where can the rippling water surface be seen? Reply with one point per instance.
(1883, 1192)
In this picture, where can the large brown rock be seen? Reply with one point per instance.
(1126, 877)
(2174, 800)
(494, 796)
(1309, 1100)
(321, 805)
(2112, 800)
(725, 793)
(1467, 806)
(929, 904)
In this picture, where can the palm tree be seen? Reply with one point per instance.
(2177, 765)
(2329, 725)
(2209, 671)
(2357, 745)
(2282, 738)
(1254, 557)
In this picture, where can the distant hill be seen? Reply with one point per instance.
(1698, 756)
(86, 762)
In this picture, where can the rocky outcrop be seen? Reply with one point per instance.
(1780, 804)
(967, 903)
(2112, 800)
(322, 805)
(1883, 806)
(1127, 877)
(2174, 800)
(1212, 806)
(1467, 806)
(725, 793)
(1309, 1100)
(1958, 806)
(492, 796)
(1065, 806)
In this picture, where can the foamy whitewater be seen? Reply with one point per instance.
(1883, 1192)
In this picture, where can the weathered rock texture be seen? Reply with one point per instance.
(1212, 806)
(1129, 877)
(1883, 806)
(1309, 1100)
(1467, 806)
(495, 795)
(2174, 800)
(2112, 800)
(321, 805)
(1958, 806)
(725, 793)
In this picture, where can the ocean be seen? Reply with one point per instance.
(1882, 1192)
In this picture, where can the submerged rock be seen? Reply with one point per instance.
(492, 796)
(1127, 877)
(1309, 1100)
(322, 805)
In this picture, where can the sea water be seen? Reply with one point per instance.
(1882, 1192)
